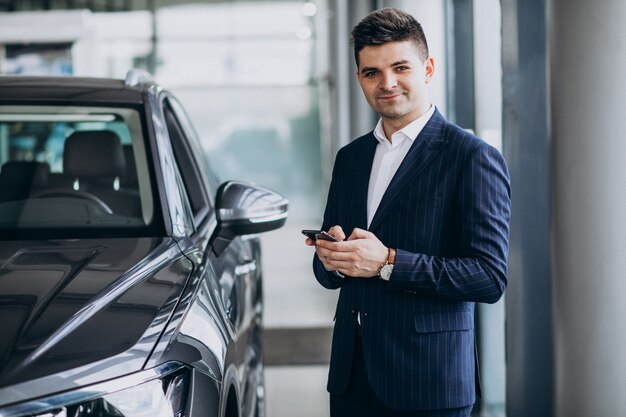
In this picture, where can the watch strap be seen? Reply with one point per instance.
(391, 259)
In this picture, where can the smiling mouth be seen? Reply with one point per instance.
(389, 96)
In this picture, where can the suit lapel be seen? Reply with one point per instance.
(425, 148)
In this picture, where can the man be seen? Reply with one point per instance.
(421, 209)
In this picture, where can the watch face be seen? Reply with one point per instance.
(385, 272)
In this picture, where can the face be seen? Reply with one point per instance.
(394, 81)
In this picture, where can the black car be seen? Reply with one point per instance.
(130, 278)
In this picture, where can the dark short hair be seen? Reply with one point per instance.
(388, 25)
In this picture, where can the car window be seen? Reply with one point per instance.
(197, 191)
(83, 170)
(211, 180)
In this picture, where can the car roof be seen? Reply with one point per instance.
(75, 89)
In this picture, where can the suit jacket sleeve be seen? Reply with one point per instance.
(326, 278)
(482, 208)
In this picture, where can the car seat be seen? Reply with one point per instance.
(20, 179)
(95, 161)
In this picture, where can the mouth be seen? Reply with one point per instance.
(389, 96)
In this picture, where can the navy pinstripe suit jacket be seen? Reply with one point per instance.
(447, 212)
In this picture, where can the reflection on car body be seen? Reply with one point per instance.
(130, 279)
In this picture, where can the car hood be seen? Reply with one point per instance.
(69, 304)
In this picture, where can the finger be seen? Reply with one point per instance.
(321, 251)
(345, 246)
(326, 264)
(360, 234)
(342, 256)
(327, 244)
(334, 265)
(309, 242)
(341, 266)
(334, 246)
(337, 232)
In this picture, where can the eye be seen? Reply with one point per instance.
(402, 68)
(370, 73)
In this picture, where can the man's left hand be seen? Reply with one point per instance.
(361, 255)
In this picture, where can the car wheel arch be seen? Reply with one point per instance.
(232, 404)
(230, 393)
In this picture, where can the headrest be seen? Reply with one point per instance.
(24, 174)
(93, 153)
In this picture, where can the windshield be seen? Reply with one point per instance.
(74, 171)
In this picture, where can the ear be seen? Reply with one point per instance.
(429, 68)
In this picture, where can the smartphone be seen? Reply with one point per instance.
(318, 234)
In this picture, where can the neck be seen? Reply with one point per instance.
(392, 125)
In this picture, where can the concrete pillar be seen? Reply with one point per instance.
(488, 126)
(526, 142)
(589, 206)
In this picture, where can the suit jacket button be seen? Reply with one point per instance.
(353, 312)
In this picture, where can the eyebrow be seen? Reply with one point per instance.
(395, 64)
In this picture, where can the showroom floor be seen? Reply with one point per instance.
(297, 391)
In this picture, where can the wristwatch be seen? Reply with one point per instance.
(387, 268)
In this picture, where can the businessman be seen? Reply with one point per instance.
(421, 210)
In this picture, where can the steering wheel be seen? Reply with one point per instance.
(76, 194)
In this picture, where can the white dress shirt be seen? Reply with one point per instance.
(389, 156)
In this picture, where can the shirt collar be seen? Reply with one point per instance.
(410, 131)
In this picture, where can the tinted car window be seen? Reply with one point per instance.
(188, 166)
(210, 178)
(75, 168)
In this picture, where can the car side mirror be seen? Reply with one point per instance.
(245, 209)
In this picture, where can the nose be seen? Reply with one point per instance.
(388, 81)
